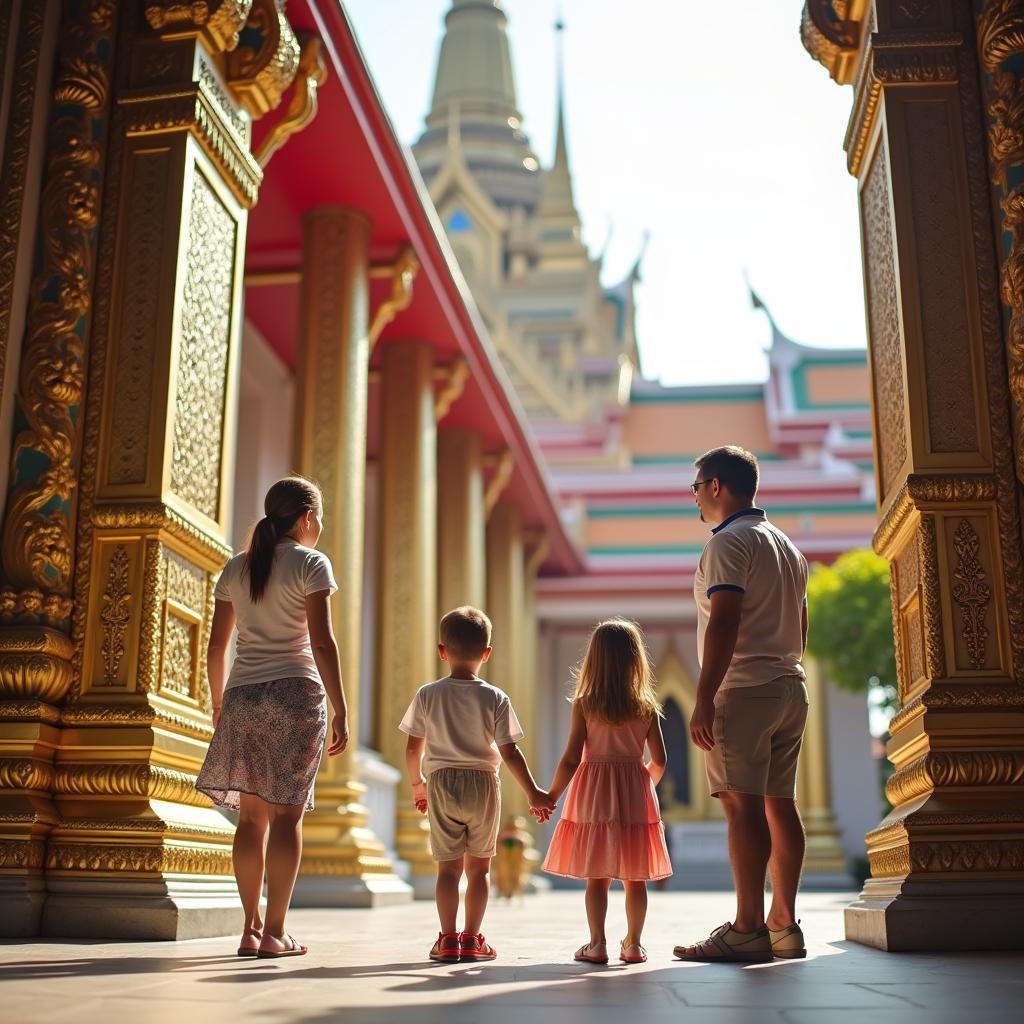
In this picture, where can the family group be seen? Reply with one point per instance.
(270, 718)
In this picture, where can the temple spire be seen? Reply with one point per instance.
(474, 116)
(557, 201)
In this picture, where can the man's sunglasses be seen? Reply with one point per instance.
(697, 484)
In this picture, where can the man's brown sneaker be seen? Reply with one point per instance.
(788, 943)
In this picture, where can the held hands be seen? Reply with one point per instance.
(419, 796)
(702, 724)
(339, 736)
(541, 805)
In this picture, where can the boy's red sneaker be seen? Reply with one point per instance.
(448, 947)
(476, 947)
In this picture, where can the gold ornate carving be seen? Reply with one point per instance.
(115, 613)
(180, 650)
(197, 110)
(34, 663)
(402, 273)
(22, 854)
(144, 780)
(15, 154)
(938, 769)
(264, 64)
(28, 711)
(135, 714)
(204, 545)
(455, 377)
(971, 592)
(166, 859)
(907, 571)
(217, 21)
(203, 359)
(884, 321)
(25, 773)
(828, 34)
(37, 540)
(186, 583)
(985, 855)
(931, 598)
(504, 467)
(890, 863)
(154, 590)
(1000, 31)
(302, 109)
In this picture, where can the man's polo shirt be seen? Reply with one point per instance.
(747, 554)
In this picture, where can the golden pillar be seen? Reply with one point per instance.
(461, 578)
(407, 570)
(947, 863)
(136, 852)
(824, 856)
(505, 606)
(36, 650)
(343, 862)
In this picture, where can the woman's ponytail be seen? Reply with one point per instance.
(286, 502)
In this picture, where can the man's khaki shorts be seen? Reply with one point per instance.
(758, 731)
(464, 808)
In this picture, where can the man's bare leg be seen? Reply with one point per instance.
(749, 850)
(787, 859)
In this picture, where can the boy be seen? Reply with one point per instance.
(466, 728)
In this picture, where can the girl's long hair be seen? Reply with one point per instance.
(614, 683)
(286, 502)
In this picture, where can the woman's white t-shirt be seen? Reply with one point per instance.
(273, 636)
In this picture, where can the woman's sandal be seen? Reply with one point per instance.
(250, 951)
(637, 954)
(296, 949)
(584, 954)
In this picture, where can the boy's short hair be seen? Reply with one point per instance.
(466, 632)
(733, 467)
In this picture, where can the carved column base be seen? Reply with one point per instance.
(413, 841)
(34, 670)
(343, 863)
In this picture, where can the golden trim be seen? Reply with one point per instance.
(303, 106)
(260, 77)
(504, 467)
(455, 378)
(114, 857)
(216, 22)
(403, 273)
(145, 780)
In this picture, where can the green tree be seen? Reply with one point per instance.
(851, 622)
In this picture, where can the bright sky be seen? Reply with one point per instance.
(706, 124)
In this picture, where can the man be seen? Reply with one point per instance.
(751, 594)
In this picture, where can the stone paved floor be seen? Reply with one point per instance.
(368, 967)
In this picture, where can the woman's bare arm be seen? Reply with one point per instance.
(325, 654)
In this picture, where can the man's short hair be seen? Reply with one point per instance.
(466, 632)
(732, 467)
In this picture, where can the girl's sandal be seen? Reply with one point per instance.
(296, 949)
(246, 950)
(585, 954)
(636, 955)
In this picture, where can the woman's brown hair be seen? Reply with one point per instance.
(286, 502)
(614, 682)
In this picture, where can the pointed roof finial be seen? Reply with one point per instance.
(561, 152)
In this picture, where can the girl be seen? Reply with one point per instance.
(611, 825)
(270, 719)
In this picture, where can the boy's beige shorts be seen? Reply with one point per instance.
(758, 732)
(464, 808)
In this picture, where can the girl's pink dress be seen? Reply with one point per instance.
(611, 825)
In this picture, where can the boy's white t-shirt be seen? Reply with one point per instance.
(747, 553)
(464, 722)
(273, 636)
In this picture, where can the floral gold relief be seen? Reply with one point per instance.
(218, 21)
(971, 592)
(266, 60)
(37, 540)
(115, 614)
